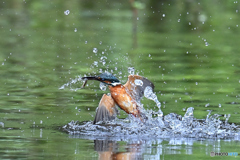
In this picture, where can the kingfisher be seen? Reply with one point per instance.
(126, 97)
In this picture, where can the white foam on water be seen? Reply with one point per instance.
(171, 125)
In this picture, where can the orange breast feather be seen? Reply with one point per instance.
(123, 99)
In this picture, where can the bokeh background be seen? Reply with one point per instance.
(189, 49)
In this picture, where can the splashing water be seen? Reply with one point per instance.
(73, 81)
(67, 12)
(138, 82)
(155, 124)
(148, 93)
(95, 50)
(103, 86)
(168, 126)
(173, 125)
(131, 70)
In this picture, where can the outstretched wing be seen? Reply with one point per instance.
(107, 109)
(136, 86)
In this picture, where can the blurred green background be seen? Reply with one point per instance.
(189, 49)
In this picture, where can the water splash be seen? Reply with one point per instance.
(172, 125)
(131, 70)
(155, 124)
(95, 50)
(73, 81)
(103, 60)
(103, 86)
(67, 12)
(148, 93)
(138, 82)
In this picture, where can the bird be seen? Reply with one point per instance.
(126, 97)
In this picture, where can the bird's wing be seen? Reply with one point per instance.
(107, 109)
(136, 86)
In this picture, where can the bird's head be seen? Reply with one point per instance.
(105, 77)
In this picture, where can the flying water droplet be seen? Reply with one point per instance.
(2, 124)
(138, 82)
(95, 63)
(103, 86)
(131, 70)
(67, 12)
(75, 30)
(73, 81)
(95, 50)
(206, 105)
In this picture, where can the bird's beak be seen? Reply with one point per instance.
(89, 78)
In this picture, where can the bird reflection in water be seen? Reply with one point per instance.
(108, 150)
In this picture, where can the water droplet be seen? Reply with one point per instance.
(95, 63)
(196, 83)
(131, 70)
(163, 15)
(179, 20)
(75, 30)
(2, 124)
(138, 82)
(95, 50)
(103, 86)
(85, 42)
(100, 42)
(67, 12)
